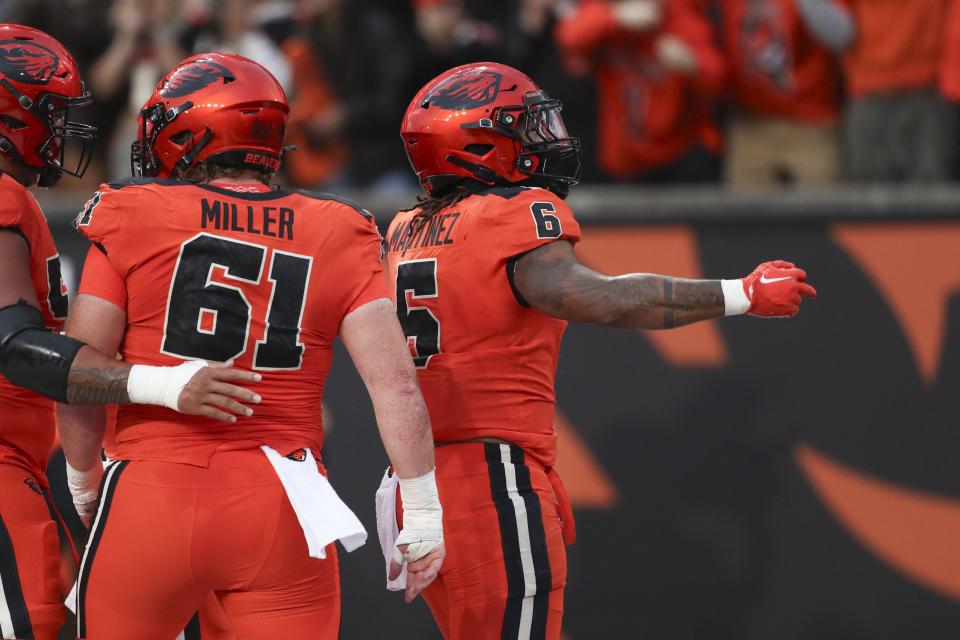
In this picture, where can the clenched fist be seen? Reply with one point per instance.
(776, 289)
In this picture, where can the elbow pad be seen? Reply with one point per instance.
(32, 357)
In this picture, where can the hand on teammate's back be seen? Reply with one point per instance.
(776, 289)
(212, 392)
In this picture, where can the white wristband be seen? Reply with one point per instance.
(422, 517)
(161, 385)
(735, 300)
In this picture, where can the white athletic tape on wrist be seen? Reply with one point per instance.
(84, 485)
(422, 518)
(735, 300)
(161, 385)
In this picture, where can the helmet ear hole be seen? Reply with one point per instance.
(181, 138)
(478, 149)
(12, 123)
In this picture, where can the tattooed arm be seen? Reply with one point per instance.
(552, 281)
(100, 324)
(64, 369)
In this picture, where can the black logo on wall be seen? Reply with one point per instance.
(28, 62)
(193, 77)
(467, 91)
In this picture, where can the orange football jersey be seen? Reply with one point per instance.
(257, 277)
(486, 361)
(28, 423)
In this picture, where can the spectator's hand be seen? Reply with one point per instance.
(534, 15)
(437, 24)
(326, 126)
(639, 15)
(129, 18)
(676, 55)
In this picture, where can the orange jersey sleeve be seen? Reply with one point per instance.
(99, 279)
(486, 362)
(525, 219)
(28, 425)
(15, 208)
(364, 250)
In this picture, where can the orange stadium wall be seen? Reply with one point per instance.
(739, 479)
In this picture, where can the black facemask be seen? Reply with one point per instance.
(547, 152)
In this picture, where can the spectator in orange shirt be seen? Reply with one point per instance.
(899, 127)
(950, 62)
(785, 84)
(658, 73)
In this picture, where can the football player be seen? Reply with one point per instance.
(39, 89)
(198, 258)
(485, 279)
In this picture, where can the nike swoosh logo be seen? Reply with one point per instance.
(764, 280)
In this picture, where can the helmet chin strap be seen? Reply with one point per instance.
(49, 176)
(482, 173)
(190, 157)
(491, 179)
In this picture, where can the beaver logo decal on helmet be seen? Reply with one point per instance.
(194, 77)
(27, 62)
(467, 91)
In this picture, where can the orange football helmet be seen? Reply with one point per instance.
(489, 122)
(39, 84)
(212, 107)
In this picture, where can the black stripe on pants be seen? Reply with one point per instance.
(107, 489)
(513, 543)
(13, 593)
(192, 630)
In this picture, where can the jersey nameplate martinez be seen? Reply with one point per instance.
(437, 232)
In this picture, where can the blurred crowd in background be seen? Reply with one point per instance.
(744, 92)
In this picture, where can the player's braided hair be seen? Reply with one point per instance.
(429, 205)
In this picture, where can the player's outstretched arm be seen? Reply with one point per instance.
(378, 348)
(64, 369)
(552, 280)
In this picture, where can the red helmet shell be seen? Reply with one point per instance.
(212, 106)
(39, 82)
(471, 122)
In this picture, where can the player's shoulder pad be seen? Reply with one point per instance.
(507, 193)
(524, 195)
(501, 202)
(140, 182)
(112, 199)
(19, 210)
(316, 195)
(12, 191)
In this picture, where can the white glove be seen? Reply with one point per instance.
(422, 518)
(638, 15)
(161, 385)
(85, 488)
